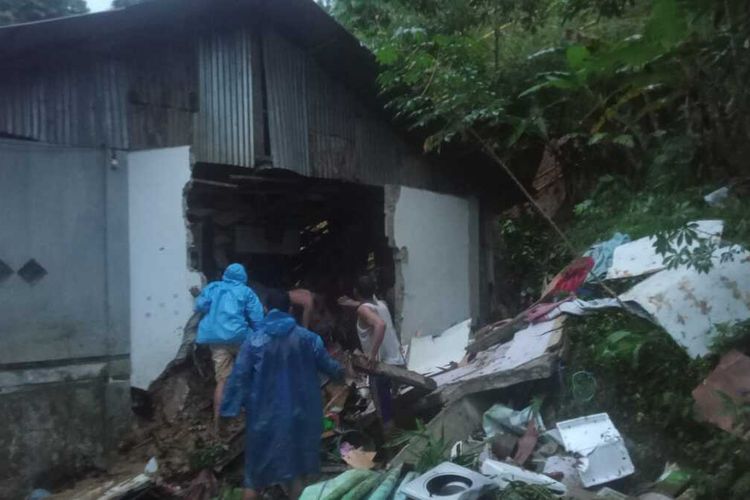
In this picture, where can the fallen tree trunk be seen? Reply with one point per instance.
(364, 364)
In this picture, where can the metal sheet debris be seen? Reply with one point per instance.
(716, 198)
(431, 354)
(532, 342)
(603, 452)
(504, 474)
(527, 345)
(689, 304)
(639, 257)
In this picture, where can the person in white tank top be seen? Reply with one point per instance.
(379, 341)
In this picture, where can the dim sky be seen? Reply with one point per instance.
(98, 5)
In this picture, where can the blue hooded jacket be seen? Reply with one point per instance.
(230, 309)
(275, 380)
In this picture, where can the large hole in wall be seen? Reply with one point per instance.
(291, 232)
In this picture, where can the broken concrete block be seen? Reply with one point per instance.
(726, 387)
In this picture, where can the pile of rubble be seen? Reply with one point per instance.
(478, 445)
(484, 434)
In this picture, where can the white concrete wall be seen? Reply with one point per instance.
(160, 280)
(438, 264)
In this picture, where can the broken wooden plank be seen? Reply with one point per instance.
(537, 369)
(494, 336)
(364, 364)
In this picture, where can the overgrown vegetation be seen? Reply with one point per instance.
(644, 106)
(24, 11)
(641, 101)
(518, 490)
(644, 382)
(610, 76)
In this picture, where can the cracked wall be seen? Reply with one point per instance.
(160, 276)
(435, 238)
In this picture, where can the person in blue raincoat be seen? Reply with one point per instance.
(275, 380)
(230, 311)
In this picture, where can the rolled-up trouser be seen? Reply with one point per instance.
(223, 357)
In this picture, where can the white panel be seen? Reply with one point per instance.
(438, 257)
(689, 304)
(430, 354)
(639, 257)
(160, 280)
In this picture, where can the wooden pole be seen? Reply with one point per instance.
(362, 363)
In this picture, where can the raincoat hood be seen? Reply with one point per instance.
(278, 324)
(235, 273)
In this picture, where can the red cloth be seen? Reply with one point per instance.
(571, 278)
(534, 313)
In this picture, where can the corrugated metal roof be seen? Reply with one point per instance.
(286, 85)
(302, 21)
(81, 105)
(331, 112)
(325, 118)
(224, 126)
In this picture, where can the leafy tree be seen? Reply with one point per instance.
(609, 84)
(15, 11)
(119, 4)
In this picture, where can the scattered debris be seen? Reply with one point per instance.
(504, 473)
(570, 279)
(337, 487)
(717, 198)
(603, 253)
(486, 373)
(673, 481)
(639, 257)
(501, 418)
(397, 373)
(358, 458)
(527, 443)
(689, 304)
(610, 494)
(603, 456)
(408, 477)
(455, 379)
(532, 342)
(451, 482)
(432, 354)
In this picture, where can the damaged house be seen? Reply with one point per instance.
(144, 148)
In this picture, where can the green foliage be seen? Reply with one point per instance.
(517, 490)
(119, 4)
(530, 251)
(15, 11)
(207, 456)
(431, 450)
(229, 493)
(650, 402)
(731, 336)
(616, 76)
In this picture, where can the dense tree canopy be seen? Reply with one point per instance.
(24, 11)
(118, 4)
(618, 76)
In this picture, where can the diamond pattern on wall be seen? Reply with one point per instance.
(32, 272)
(5, 271)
